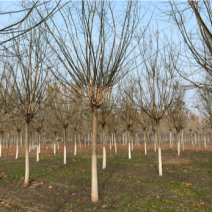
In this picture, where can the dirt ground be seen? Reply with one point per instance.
(126, 185)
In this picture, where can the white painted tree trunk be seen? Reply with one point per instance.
(37, 147)
(178, 143)
(94, 179)
(26, 181)
(54, 148)
(132, 144)
(159, 151)
(64, 154)
(170, 137)
(64, 145)
(17, 143)
(145, 149)
(75, 143)
(129, 147)
(104, 149)
(115, 143)
(16, 157)
(160, 161)
(55, 138)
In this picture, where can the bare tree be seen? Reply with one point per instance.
(144, 121)
(28, 74)
(104, 114)
(155, 90)
(178, 114)
(94, 53)
(128, 111)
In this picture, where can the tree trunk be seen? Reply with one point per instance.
(178, 143)
(145, 149)
(75, 143)
(114, 138)
(204, 140)
(37, 146)
(110, 144)
(65, 145)
(27, 155)
(159, 151)
(54, 144)
(94, 180)
(170, 139)
(182, 141)
(17, 143)
(155, 141)
(104, 149)
(129, 148)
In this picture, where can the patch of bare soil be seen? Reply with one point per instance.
(176, 161)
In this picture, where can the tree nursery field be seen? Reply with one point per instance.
(125, 185)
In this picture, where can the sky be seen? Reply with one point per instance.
(153, 11)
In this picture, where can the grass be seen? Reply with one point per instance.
(126, 185)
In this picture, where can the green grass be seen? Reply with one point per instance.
(132, 185)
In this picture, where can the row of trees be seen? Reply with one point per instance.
(93, 51)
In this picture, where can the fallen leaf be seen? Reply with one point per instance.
(73, 194)
(104, 206)
(83, 170)
(138, 181)
(115, 206)
(195, 204)
(7, 205)
(50, 187)
(202, 204)
(185, 171)
(188, 184)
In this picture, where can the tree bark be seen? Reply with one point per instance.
(159, 151)
(170, 140)
(114, 138)
(129, 148)
(75, 143)
(94, 180)
(37, 146)
(54, 143)
(104, 149)
(65, 145)
(27, 155)
(178, 143)
(145, 149)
